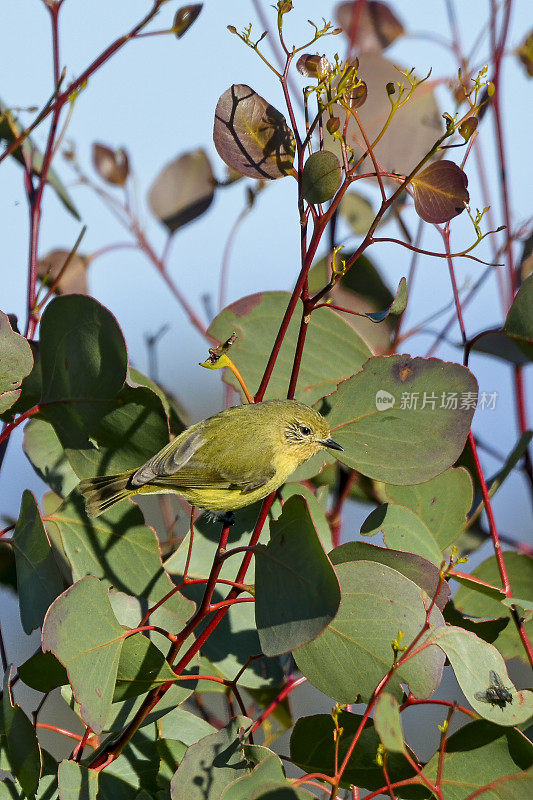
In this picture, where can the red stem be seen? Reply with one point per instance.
(287, 689)
(63, 731)
(414, 701)
(115, 747)
(8, 429)
(498, 549)
(82, 79)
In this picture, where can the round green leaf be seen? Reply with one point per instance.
(475, 664)
(388, 724)
(482, 755)
(419, 570)
(16, 361)
(76, 781)
(22, 748)
(43, 672)
(321, 177)
(211, 764)
(117, 547)
(83, 354)
(184, 726)
(333, 350)
(519, 322)
(442, 503)
(47, 457)
(473, 601)
(251, 136)
(296, 590)
(357, 211)
(403, 530)
(38, 578)
(376, 603)
(90, 652)
(142, 667)
(395, 420)
(269, 770)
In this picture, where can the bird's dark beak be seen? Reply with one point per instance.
(331, 444)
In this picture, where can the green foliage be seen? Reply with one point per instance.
(312, 748)
(173, 646)
(38, 578)
(20, 742)
(477, 602)
(333, 352)
(518, 325)
(296, 591)
(376, 603)
(369, 417)
(16, 361)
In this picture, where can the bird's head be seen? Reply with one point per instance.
(305, 432)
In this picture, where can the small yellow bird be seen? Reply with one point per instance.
(225, 462)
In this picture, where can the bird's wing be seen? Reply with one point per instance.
(189, 463)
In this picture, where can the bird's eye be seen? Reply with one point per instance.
(305, 430)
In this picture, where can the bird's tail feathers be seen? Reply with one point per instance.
(104, 491)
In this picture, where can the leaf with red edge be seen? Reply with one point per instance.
(440, 191)
(90, 652)
(251, 136)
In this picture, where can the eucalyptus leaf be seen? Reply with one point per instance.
(519, 323)
(76, 782)
(419, 570)
(90, 653)
(251, 136)
(267, 771)
(20, 739)
(442, 503)
(403, 530)
(376, 603)
(211, 764)
(388, 724)
(393, 421)
(475, 663)
(333, 350)
(296, 590)
(480, 755)
(47, 456)
(39, 580)
(183, 190)
(440, 191)
(470, 600)
(16, 362)
(397, 306)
